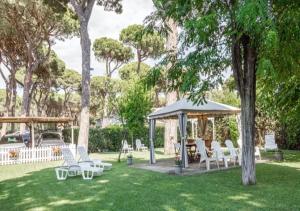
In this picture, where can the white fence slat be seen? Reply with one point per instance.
(32, 155)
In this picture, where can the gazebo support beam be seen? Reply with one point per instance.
(151, 139)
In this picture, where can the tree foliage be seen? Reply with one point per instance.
(250, 36)
(147, 45)
(112, 52)
(133, 108)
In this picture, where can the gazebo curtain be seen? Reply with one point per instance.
(202, 126)
(151, 137)
(182, 117)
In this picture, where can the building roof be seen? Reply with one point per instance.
(209, 109)
(36, 119)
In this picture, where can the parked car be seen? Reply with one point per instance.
(50, 138)
(15, 140)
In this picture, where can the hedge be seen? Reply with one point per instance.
(109, 139)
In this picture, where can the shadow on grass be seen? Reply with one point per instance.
(125, 188)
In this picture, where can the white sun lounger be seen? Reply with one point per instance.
(85, 157)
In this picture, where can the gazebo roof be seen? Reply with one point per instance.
(209, 109)
(35, 119)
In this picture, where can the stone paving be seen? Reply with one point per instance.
(167, 166)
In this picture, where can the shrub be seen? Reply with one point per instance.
(110, 138)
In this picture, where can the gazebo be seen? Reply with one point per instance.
(182, 110)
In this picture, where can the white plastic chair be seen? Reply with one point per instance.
(256, 152)
(270, 142)
(87, 169)
(216, 147)
(234, 154)
(85, 157)
(201, 149)
(177, 147)
(139, 145)
(126, 147)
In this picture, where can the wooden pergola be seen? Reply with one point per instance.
(31, 121)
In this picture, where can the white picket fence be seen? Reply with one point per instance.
(32, 155)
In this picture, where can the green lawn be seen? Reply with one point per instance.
(34, 187)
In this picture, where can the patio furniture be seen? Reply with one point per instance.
(256, 152)
(191, 152)
(270, 142)
(218, 152)
(126, 148)
(85, 157)
(177, 148)
(234, 153)
(201, 150)
(61, 172)
(140, 146)
(86, 168)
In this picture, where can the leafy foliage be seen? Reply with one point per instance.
(128, 71)
(110, 138)
(111, 51)
(133, 108)
(147, 45)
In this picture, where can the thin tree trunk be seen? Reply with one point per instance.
(26, 97)
(13, 100)
(170, 135)
(105, 120)
(139, 61)
(85, 97)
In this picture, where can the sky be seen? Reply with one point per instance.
(103, 24)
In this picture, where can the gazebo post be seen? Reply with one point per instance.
(182, 117)
(32, 135)
(151, 139)
(72, 132)
(214, 128)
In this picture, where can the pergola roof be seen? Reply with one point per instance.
(209, 109)
(36, 119)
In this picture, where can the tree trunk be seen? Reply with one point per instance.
(139, 58)
(170, 136)
(13, 100)
(85, 97)
(105, 120)
(26, 97)
(245, 76)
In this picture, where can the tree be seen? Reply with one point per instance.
(114, 54)
(239, 34)
(69, 82)
(169, 27)
(128, 71)
(147, 45)
(83, 9)
(133, 108)
(98, 93)
(36, 24)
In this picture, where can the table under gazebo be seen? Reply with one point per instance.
(182, 110)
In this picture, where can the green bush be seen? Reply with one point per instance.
(109, 139)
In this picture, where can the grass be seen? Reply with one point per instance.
(34, 187)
